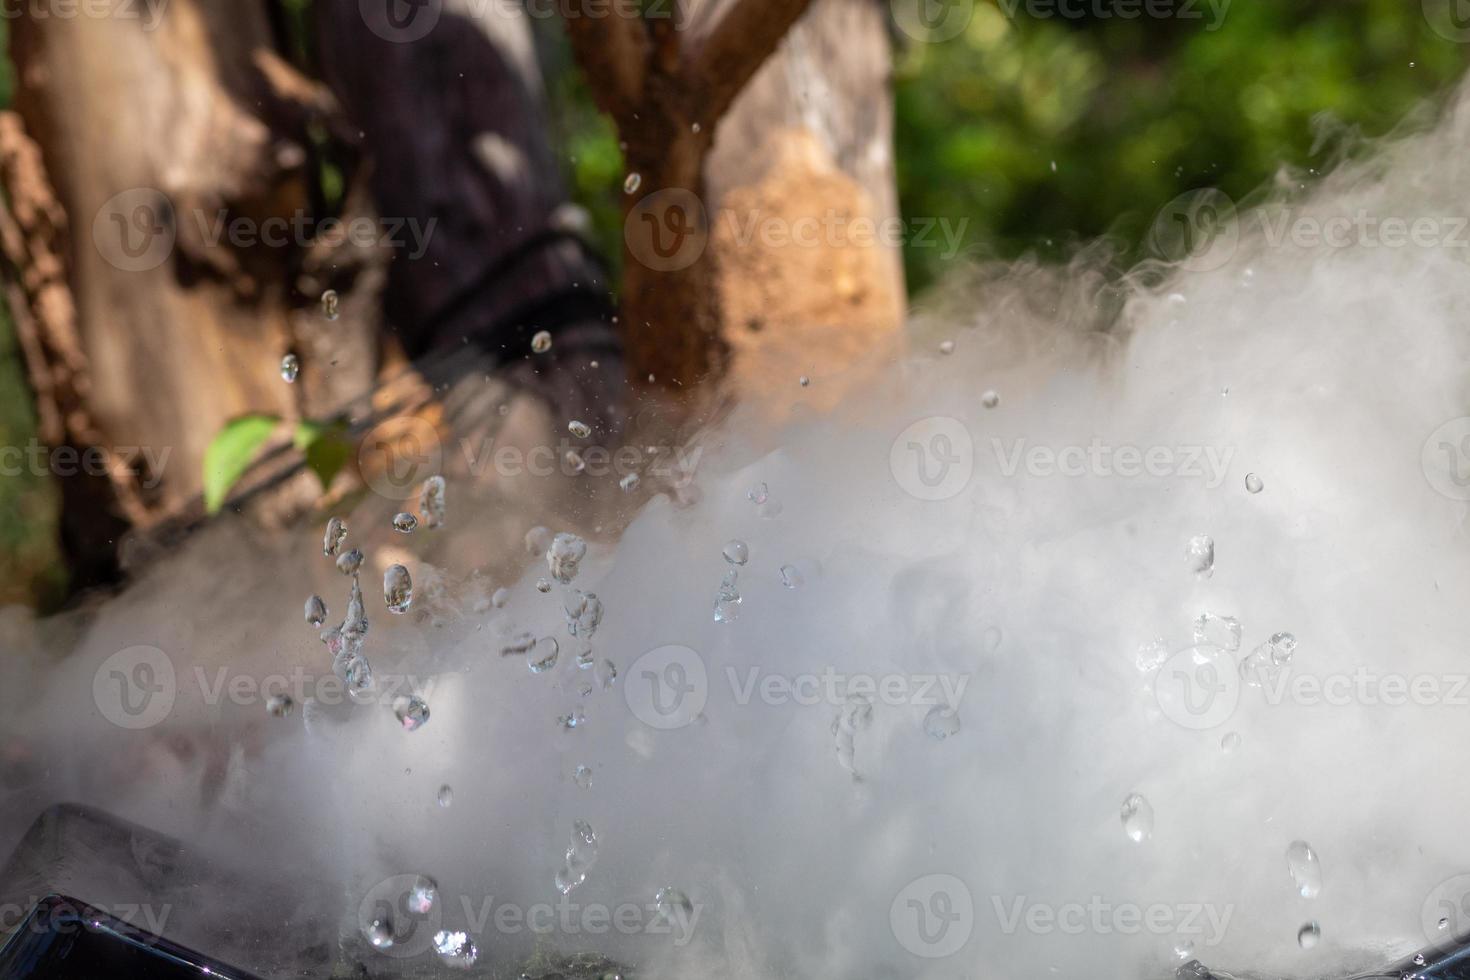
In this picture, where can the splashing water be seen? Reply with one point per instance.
(1346, 392)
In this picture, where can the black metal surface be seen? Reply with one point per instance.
(64, 939)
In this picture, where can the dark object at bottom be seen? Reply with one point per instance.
(63, 939)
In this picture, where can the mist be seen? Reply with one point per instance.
(965, 635)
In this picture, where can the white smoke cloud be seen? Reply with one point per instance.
(1018, 560)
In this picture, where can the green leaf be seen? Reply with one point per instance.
(326, 446)
(229, 455)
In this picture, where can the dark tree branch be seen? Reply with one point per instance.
(730, 51)
(613, 51)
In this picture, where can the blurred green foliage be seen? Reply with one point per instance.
(1133, 112)
(1038, 131)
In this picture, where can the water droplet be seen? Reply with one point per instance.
(584, 612)
(1151, 655)
(990, 399)
(316, 611)
(499, 598)
(543, 586)
(1282, 646)
(423, 894)
(329, 304)
(565, 556)
(579, 429)
(1220, 631)
(582, 777)
(606, 674)
(629, 483)
(279, 705)
(455, 950)
(727, 600)
(541, 342)
(1305, 868)
(290, 368)
(332, 540)
(1308, 935)
(431, 501)
(673, 906)
(1253, 483)
(941, 722)
(379, 932)
(852, 717)
(412, 712)
(1138, 818)
(804, 381)
(1201, 555)
(349, 562)
(736, 552)
(404, 522)
(791, 577)
(694, 127)
(446, 796)
(538, 539)
(1183, 949)
(631, 183)
(946, 347)
(571, 720)
(575, 463)
(759, 494)
(1230, 741)
(397, 589)
(581, 856)
(542, 655)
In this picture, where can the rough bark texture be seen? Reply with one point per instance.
(732, 131)
(158, 128)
